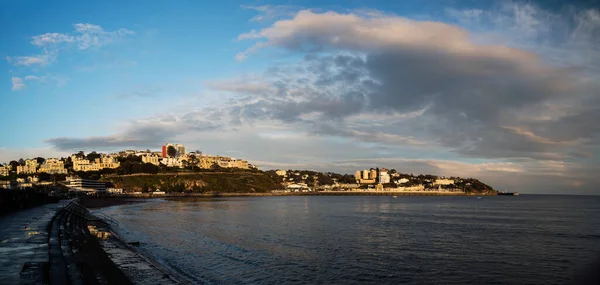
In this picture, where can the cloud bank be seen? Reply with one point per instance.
(374, 85)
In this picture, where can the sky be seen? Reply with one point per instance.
(503, 91)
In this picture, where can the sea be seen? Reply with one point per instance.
(527, 239)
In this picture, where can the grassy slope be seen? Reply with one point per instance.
(199, 182)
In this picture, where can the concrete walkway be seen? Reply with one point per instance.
(24, 244)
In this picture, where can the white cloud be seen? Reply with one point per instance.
(270, 12)
(31, 60)
(85, 36)
(51, 38)
(17, 83)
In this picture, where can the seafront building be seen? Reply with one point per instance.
(53, 166)
(86, 185)
(30, 167)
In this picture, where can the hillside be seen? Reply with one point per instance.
(239, 182)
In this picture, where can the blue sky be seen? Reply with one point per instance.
(498, 90)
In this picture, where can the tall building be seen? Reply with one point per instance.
(180, 150)
(373, 174)
(365, 174)
(357, 175)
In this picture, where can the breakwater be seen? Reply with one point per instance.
(65, 243)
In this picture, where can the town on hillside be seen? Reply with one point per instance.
(375, 180)
(130, 172)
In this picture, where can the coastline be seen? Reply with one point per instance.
(320, 193)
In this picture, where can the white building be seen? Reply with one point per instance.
(86, 185)
(402, 180)
(384, 177)
(281, 172)
(171, 162)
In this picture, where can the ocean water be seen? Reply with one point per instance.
(529, 239)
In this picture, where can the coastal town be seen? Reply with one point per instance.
(99, 173)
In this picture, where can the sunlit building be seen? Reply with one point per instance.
(30, 167)
(150, 158)
(5, 170)
(53, 166)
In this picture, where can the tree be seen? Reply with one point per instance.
(13, 164)
(93, 155)
(21, 161)
(171, 151)
(80, 154)
(40, 160)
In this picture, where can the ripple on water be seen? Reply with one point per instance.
(373, 240)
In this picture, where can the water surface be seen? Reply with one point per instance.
(530, 239)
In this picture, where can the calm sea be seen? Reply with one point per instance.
(530, 239)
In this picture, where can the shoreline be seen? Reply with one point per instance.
(277, 194)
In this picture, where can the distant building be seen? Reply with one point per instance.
(373, 174)
(365, 174)
(180, 150)
(5, 170)
(443, 182)
(281, 172)
(171, 162)
(30, 167)
(207, 161)
(357, 175)
(53, 166)
(384, 177)
(115, 190)
(402, 180)
(105, 161)
(86, 185)
(150, 158)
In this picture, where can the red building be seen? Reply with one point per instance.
(164, 151)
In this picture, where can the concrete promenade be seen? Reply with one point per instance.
(24, 244)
